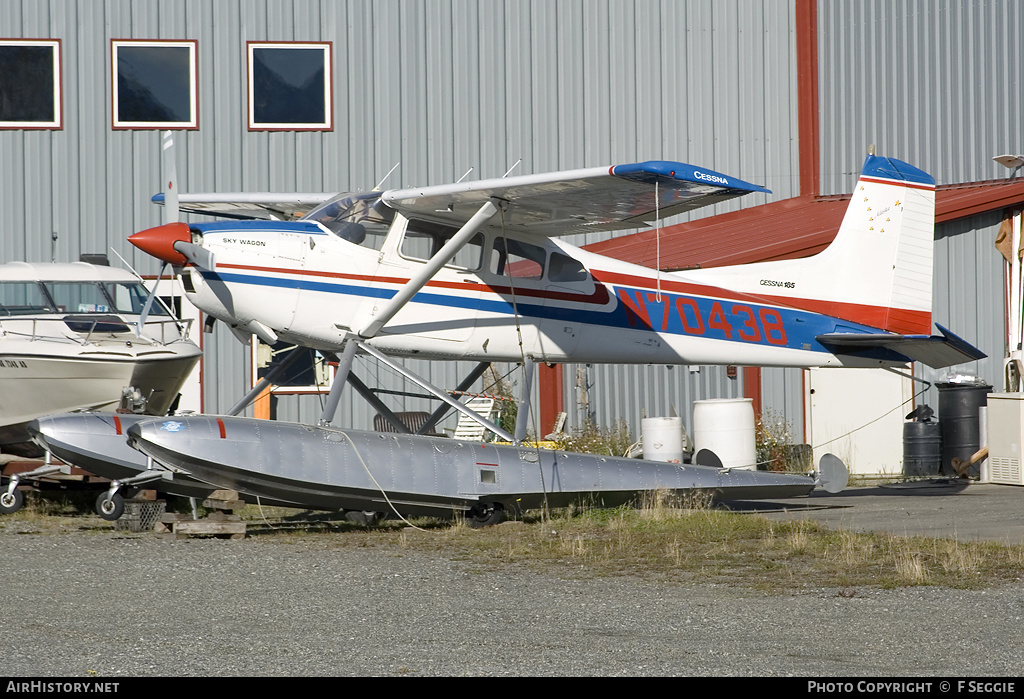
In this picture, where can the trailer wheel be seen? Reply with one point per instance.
(11, 502)
(485, 514)
(109, 508)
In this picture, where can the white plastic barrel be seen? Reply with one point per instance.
(726, 427)
(662, 438)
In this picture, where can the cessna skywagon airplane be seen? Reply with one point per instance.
(477, 271)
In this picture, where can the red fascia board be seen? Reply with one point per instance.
(957, 201)
(787, 229)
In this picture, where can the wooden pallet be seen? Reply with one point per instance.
(222, 523)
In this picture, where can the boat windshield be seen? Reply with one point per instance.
(100, 297)
(23, 299)
(362, 219)
(130, 297)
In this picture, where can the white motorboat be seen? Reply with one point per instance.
(69, 340)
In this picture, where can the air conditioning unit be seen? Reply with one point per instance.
(1006, 438)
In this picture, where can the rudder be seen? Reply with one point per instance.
(878, 269)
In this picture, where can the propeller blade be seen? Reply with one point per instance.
(149, 302)
(170, 179)
(196, 254)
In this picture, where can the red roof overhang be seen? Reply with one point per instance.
(788, 229)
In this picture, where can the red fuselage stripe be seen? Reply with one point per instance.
(902, 321)
(598, 297)
(899, 183)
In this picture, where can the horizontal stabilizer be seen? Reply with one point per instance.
(935, 351)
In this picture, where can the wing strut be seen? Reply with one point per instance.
(442, 410)
(341, 374)
(435, 263)
(523, 413)
(440, 395)
(267, 380)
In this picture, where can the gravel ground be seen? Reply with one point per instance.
(99, 605)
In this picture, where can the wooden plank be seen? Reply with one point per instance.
(203, 526)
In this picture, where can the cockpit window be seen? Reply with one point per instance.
(562, 268)
(362, 219)
(422, 240)
(97, 297)
(131, 297)
(516, 259)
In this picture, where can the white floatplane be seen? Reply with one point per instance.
(477, 271)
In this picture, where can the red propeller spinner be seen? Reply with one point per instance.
(159, 242)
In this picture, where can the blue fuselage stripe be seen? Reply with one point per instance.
(639, 309)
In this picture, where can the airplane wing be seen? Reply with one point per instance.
(248, 205)
(577, 201)
(935, 351)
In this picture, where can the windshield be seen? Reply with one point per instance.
(98, 297)
(22, 299)
(34, 298)
(131, 297)
(362, 219)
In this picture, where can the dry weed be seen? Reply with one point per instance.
(855, 549)
(909, 562)
(799, 537)
(654, 505)
(958, 559)
(675, 552)
(575, 545)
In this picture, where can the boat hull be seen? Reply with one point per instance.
(37, 385)
(72, 337)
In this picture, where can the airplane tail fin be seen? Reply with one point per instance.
(882, 255)
(878, 270)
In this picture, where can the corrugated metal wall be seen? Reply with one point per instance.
(936, 83)
(445, 85)
(968, 297)
(438, 85)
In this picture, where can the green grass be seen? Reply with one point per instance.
(658, 540)
(691, 544)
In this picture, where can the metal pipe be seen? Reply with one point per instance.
(442, 410)
(523, 413)
(340, 378)
(377, 404)
(265, 381)
(440, 395)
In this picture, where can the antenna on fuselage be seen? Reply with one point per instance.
(507, 172)
(381, 183)
(464, 176)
